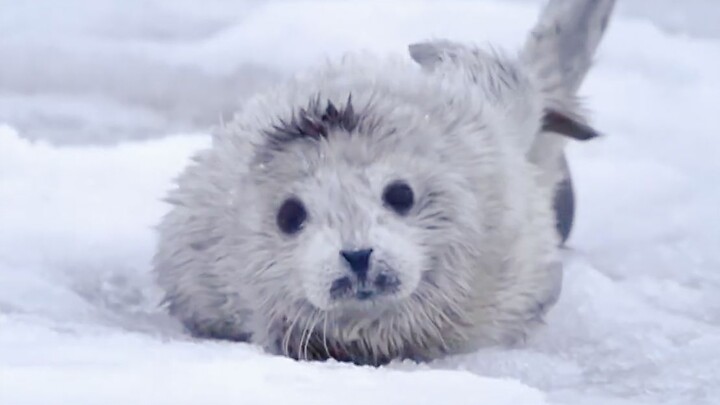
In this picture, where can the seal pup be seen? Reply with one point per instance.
(371, 210)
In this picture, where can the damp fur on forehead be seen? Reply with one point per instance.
(315, 121)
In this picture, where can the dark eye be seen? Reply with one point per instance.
(291, 216)
(399, 196)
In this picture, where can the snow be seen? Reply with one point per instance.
(104, 101)
(123, 368)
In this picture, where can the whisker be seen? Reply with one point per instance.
(317, 320)
(302, 353)
(307, 334)
(325, 343)
(288, 334)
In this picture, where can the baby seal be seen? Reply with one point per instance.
(372, 210)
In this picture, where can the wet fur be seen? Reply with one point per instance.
(478, 253)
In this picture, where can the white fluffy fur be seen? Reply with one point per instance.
(476, 255)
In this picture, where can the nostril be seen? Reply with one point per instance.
(386, 283)
(381, 281)
(340, 287)
(359, 261)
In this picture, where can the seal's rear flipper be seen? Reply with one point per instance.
(557, 55)
(562, 45)
(559, 52)
(559, 121)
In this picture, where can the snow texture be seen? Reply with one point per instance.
(104, 101)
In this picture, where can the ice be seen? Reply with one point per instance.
(103, 102)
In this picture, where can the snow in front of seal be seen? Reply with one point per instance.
(637, 322)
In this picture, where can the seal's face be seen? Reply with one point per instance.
(357, 244)
(357, 215)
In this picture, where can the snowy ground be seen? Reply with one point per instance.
(103, 101)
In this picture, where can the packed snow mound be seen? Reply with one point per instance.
(105, 101)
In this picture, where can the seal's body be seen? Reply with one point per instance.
(371, 210)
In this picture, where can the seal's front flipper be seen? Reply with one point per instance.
(562, 124)
(564, 203)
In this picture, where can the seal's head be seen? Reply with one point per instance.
(369, 219)
(355, 212)
(346, 216)
(356, 209)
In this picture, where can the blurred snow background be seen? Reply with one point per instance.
(102, 102)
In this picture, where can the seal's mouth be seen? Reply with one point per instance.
(346, 288)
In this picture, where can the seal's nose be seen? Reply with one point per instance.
(359, 261)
